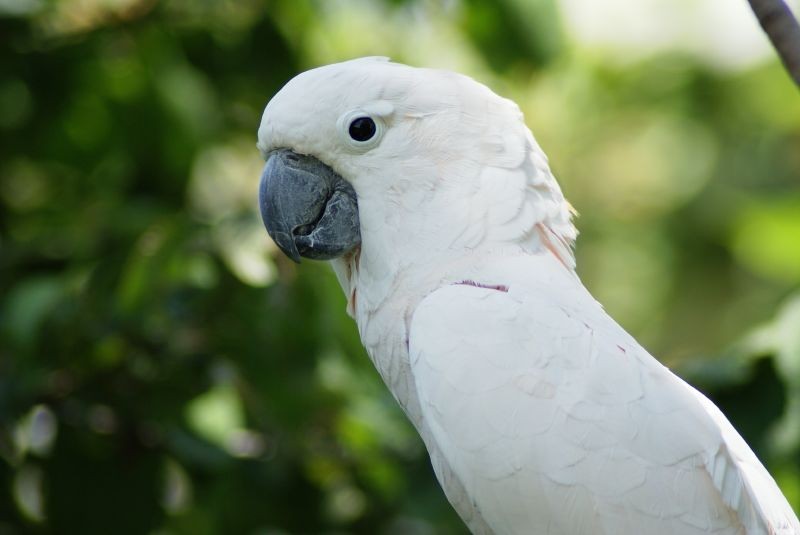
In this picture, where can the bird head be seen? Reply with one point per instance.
(403, 162)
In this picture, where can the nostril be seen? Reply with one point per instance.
(292, 157)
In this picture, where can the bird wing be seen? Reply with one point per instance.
(555, 420)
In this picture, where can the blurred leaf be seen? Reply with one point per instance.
(26, 307)
(766, 238)
(217, 414)
(531, 32)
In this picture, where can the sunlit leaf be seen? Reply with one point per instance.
(765, 238)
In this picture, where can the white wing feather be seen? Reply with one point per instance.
(556, 421)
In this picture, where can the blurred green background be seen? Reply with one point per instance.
(163, 370)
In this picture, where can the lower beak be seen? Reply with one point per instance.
(307, 208)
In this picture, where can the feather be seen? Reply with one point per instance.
(623, 445)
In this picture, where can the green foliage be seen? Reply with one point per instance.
(163, 370)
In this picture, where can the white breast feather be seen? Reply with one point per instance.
(556, 421)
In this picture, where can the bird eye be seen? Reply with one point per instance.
(362, 129)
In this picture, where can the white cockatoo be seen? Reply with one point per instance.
(453, 244)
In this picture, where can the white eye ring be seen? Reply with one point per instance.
(344, 122)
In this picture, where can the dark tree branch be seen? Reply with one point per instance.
(778, 21)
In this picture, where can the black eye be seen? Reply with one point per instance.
(362, 129)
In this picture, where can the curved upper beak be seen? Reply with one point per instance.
(307, 208)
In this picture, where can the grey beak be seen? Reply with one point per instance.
(307, 208)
